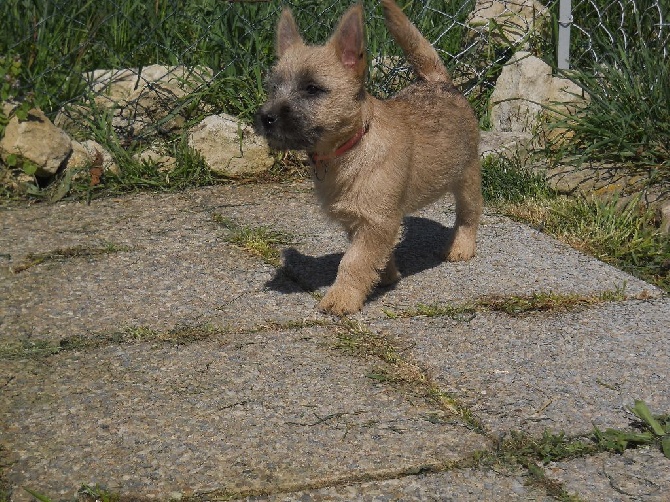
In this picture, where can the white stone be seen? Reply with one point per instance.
(525, 90)
(153, 155)
(229, 147)
(38, 141)
(84, 154)
(120, 84)
(515, 18)
(506, 144)
(664, 210)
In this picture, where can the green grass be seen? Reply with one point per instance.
(47, 46)
(627, 120)
(34, 259)
(55, 42)
(627, 237)
(514, 305)
(262, 242)
(506, 181)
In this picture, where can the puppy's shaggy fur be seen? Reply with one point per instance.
(375, 161)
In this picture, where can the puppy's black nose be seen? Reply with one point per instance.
(268, 119)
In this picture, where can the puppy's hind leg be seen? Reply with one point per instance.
(390, 274)
(469, 204)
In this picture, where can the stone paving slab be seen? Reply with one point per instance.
(512, 258)
(459, 485)
(178, 269)
(642, 474)
(262, 411)
(251, 407)
(562, 371)
(181, 286)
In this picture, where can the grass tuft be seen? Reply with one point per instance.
(627, 119)
(625, 235)
(62, 254)
(262, 242)
(397, 369)
(506, 181)
(514, 305)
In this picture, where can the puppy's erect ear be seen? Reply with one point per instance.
(287, 32)
(349, 40)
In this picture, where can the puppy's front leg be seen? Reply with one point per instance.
(371, 247)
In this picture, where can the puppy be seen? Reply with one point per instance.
(374, 160)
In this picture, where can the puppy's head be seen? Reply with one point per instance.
(315, 92)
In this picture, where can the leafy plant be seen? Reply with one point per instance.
(97, 493)
(655, 430)
(10, 74)
(627, 119)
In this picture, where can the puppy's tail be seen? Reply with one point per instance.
(418, 51)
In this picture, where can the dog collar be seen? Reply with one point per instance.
(344, 148)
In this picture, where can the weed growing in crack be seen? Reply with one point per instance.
(457, 312)
(513, 305)
(262, 242)
(535, 453)
(28, 349)
(62, 254)
(398, 369)
(653, 430)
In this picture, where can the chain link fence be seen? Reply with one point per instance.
(628, 24)
(64, 54)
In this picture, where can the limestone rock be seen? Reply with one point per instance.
(113, 86)
(85, 153)
(140, 99)
(507, 144)
(525, 90)
(152, 154)
(37, 140)
(512, 19)
(229, 147)
(664, 213)
(8, 107)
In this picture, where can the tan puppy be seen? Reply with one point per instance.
(375, 161)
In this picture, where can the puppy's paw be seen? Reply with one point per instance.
(339, 301)
(460, 250)
(389, 276)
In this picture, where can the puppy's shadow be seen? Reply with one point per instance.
(421, 248)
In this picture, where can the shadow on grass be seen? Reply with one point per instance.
(420, 249)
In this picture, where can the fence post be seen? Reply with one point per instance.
(564, 22)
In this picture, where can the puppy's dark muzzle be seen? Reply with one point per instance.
(283, 128)
(268, 121)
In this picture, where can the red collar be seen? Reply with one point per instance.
(344, 148)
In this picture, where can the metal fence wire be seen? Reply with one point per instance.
(62, 53)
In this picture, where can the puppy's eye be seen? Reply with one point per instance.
(314, 90)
